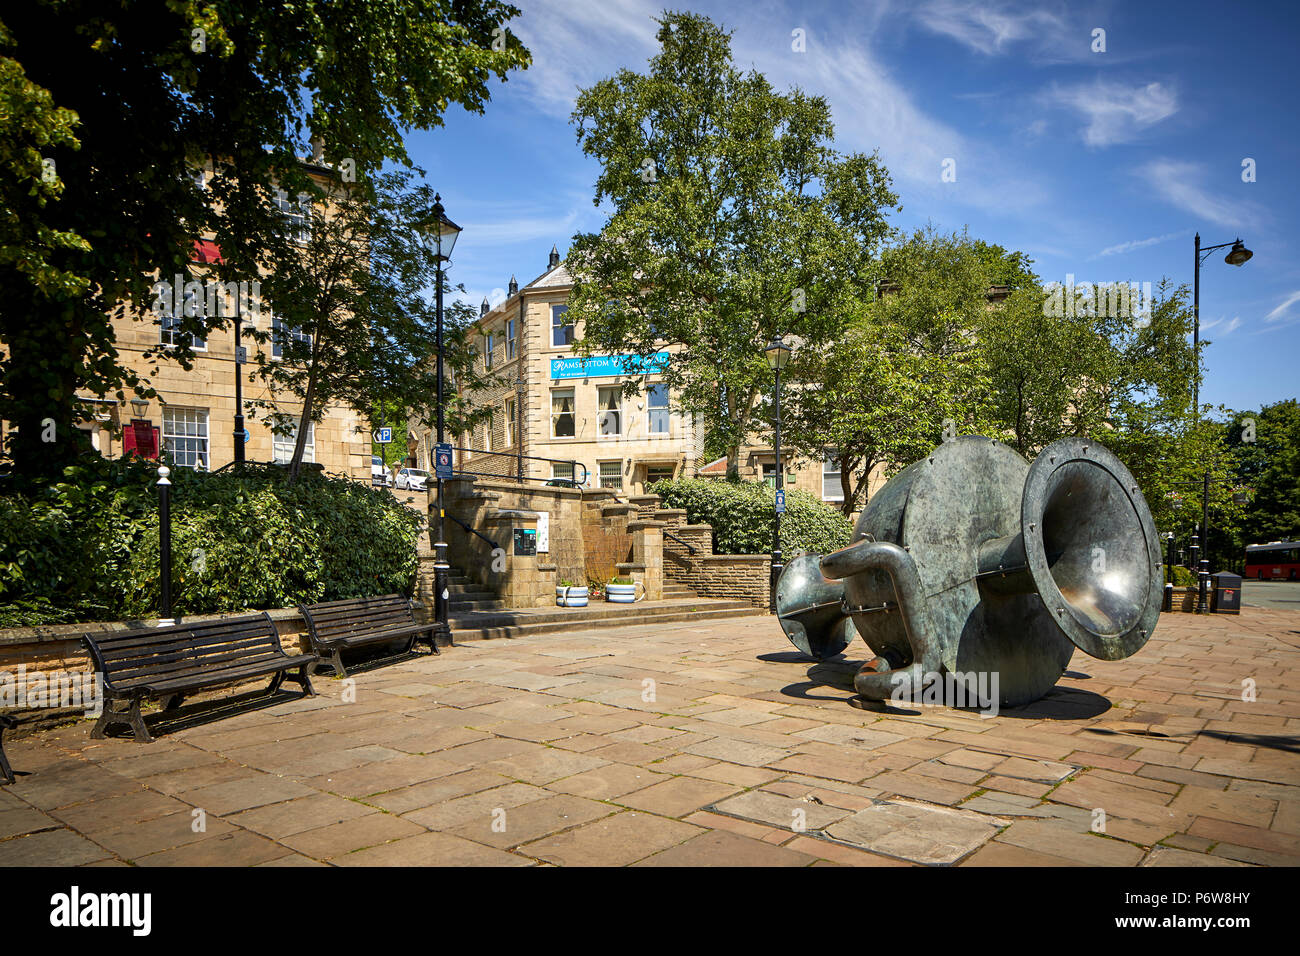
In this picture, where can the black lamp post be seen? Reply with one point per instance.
(165, 618)
(778, 354)
(1238, 255)
(444, 233)
(239, 388)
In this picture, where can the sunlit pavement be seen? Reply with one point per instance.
(1280, 595)
(689, 744)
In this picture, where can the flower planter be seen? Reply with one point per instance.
(570, 596)
(620, 593)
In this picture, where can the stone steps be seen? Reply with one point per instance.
(484, 625)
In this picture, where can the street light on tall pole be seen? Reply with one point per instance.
(778, 355)
(1238, 255)
(444, 233)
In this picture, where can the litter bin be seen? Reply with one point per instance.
(1225, 593)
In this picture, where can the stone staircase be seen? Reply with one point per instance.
(478, 615)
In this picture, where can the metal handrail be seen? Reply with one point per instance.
(514, 460)
(491, 544)
(689, 547)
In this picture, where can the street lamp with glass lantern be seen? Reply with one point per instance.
(443, 232)
(1237, 255)
(778, 355)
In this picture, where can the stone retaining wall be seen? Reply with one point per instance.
(38, 654)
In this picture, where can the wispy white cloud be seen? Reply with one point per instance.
(988, 28)
(1124, 247)
(576, 44)
(1280, 313)
(1115, 112)
(1180, 183)
(1223, 325)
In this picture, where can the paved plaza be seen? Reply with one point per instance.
(694, 744)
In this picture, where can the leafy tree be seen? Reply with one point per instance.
(906, 369)
(351, 325)
(733, 220)
(159, 88)
(1267, 446)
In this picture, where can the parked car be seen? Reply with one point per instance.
(563, 483)
(411, 479)
(378, 473)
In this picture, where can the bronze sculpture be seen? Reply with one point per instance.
(973, 562)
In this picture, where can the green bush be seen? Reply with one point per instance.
(741, 515)
(1182, 577)
(87, 547)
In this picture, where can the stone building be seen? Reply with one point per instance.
(193, 419)
(554, 405)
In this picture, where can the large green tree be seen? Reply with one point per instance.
(732, 220)
(159, 87)
(906, 371)
(351, 322)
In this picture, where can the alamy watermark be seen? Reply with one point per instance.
(83, 689)
(181, 297)
(973, 690)
(1118, 300)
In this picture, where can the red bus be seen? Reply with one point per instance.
(1275, 561)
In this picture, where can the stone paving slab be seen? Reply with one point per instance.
(551, 750)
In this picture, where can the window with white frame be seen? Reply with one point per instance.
(611, 475)
(561, 327)
(297, 215)
(562, 469)
(488, 342)
(609, 418)
(487, 431)
(185, 436)
(282, 334)
(512, 408)
(832, 489)
(170, 324)
(282, 445)
(511, 343)
(563, 424)
(657, 403)
(769, 474)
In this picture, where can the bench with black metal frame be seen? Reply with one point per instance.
(337, 626)
(6, 771)
(173, 662)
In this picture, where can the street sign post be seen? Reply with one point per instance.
(442, 460)
(383, 436)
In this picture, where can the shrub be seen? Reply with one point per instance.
(741, 512)
(1183, 578)
(87, 547)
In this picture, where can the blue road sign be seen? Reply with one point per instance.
(383, 436)
(780, 502)
(442, 461)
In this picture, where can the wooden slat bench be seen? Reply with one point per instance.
(337, 626)
(6, 771)
(170, 663)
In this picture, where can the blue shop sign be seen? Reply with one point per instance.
(606, 366)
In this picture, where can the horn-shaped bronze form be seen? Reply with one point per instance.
(973, 562)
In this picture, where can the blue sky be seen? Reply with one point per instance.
(1100, 165)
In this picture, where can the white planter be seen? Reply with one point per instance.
(570, 596)
(620, 593)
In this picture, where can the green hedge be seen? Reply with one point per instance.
(87, 548)
(1182, 577)
(741, 515)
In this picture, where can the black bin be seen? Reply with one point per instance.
(1225, 593)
